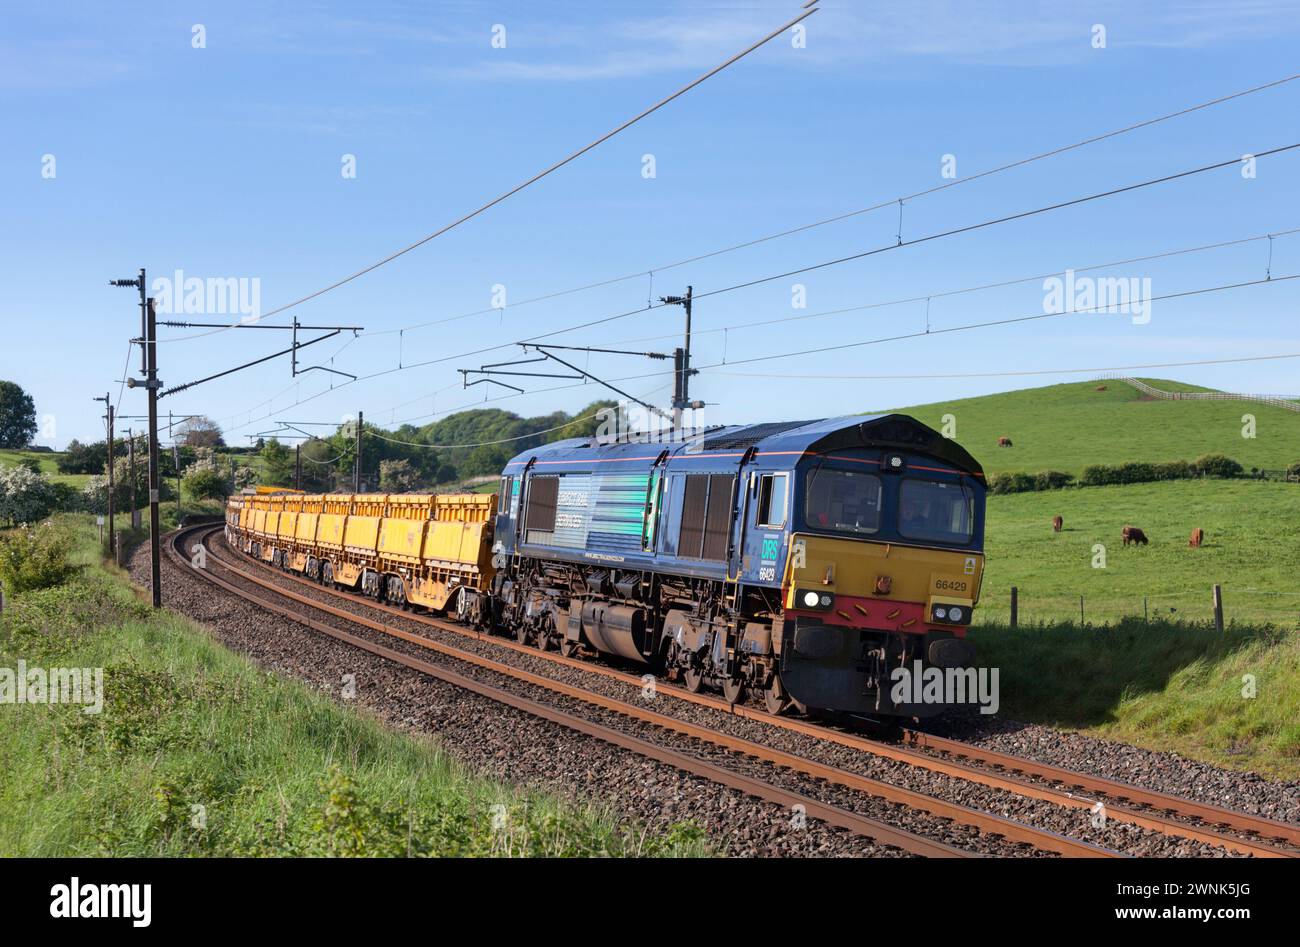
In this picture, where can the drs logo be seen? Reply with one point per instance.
(771, 549)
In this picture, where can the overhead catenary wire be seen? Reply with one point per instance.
(956, 182)
(1166, 254)
(968, 228)
(1001, 322)
(932, 294)
(936, 332)
(821, 376)
(535, 178)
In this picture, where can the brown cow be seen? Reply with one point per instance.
(1100, 388)
(1134, 535)
(1004, 442)
(1198, 537)
(1057, 523)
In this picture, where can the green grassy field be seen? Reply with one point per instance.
(1067, 427)
(48, 463)
(197, 752)
(1251, 550)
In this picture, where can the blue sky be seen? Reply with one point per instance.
(225, 162)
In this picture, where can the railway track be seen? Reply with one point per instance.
(986, 823)
(1235, 831)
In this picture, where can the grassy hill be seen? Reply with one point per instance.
(1067, 427)
(48, 463)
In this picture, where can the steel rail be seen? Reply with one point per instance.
(1124, 802)
(865, 826)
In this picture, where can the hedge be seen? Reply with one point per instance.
(1102, 475)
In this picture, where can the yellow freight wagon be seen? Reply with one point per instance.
(427, 550)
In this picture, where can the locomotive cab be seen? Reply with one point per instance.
(884, 571)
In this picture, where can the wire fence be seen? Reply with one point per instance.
(1216, 604)
(1277, 401)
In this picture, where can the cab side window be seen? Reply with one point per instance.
(773, 499)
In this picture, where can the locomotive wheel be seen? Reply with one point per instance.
(733, 689)
(546, 635)
(521, 633)
(693, 678)
(568, 648)
(775, 698)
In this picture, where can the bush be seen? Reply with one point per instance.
(1175, 470)
(1052, 480)
(1217, 465)
(205, 483)
(1137, 472)
(25, 497)
(35, 558)
(1212, 465)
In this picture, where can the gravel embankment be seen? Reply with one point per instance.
(1150, 769)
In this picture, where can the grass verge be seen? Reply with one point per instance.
(1231, 699)
(198, 752)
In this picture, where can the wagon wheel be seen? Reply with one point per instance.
(733, 689)
(693, 678)
(775, 698)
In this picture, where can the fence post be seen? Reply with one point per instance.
(1218, 609)
(1144, 609)
(1015, 605)
(1081, 621)
(2, 598)
(117, 553)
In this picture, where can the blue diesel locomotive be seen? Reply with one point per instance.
(804, 561)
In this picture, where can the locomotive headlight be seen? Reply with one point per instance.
(814, 599)
(951, 614)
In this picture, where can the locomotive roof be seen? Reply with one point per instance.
(787, 440)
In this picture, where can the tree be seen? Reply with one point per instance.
(81, 458)
(204, 483)
(397, 476)
(277, 464)
(201, 431)
(487, 459)
(17, 416)
(25, 497)
(94, 493)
